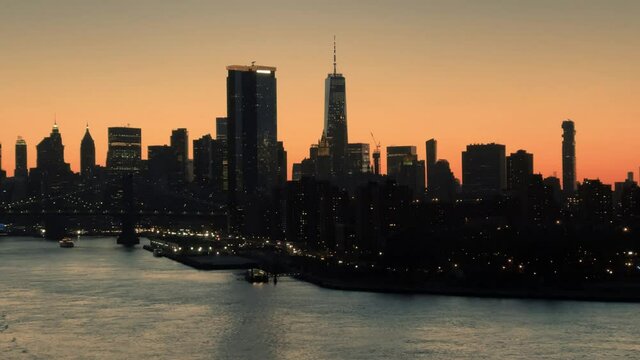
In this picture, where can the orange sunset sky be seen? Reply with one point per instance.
(459, 71)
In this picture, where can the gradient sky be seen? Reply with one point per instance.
(460, 71)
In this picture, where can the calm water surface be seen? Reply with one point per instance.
(100, 301)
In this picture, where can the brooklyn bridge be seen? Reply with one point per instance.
(125, 206)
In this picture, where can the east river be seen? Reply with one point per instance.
(101, 301)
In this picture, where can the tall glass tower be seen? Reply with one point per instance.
(21, 158)
(180, 143)
(124, 153)
(252, 129)
(568, 157)
(335, 118)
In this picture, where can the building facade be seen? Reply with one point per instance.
(519, 170)
(569, 183)
(335, 119)
(484, 169)
(180, 144)
(21, 170)
(124, 152)
(251, 129)
(87, 155)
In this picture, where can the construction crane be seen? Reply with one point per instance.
(376, 155)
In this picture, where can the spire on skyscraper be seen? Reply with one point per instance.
(335, 118)
(334, 56)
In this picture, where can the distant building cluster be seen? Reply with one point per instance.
(338, 200)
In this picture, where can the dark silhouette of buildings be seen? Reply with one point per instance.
(484, 169)
(358, 160)
(444, 185)
(335, 119)
(162, 166)
(281, 159)
(553, 183)
(51, 154)
(626, 200)
(568, 157)
(595, 203)
(519, 170)
(335, 211)
(87, 155)
(21, 170)
(51, 175)
(404, 167)
(431, 156)
(381, 211)
(3, 174)
(251, 129)
(296, 171)
(124, 152)
(316, 212)
(396, 156)
(202, 159)
(323, 160)
(376, 161)
(180, 143)
(220, 157)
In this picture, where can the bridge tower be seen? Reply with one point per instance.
(128, 236)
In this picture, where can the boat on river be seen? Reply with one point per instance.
(256, 276)
(66, 243)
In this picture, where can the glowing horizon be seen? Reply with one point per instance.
(461, 73)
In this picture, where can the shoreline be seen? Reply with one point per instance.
(607, 294)
(597, 292)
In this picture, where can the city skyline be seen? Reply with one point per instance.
(188, 174)
(574, 81)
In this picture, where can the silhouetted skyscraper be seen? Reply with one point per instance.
(484, 169)
(124, 153)
(358, 159)
(87, 155)
(21, 158)
(569, 184)
(282, 164)
(220, 155)
(519, 170)
(396, 156)
(180, 143)
(404, 167)
(432, 157)
(3, 173)
(323, 159)
(251, 129)
(595, 203)
(376, 161)
(335, 119)
(51, 154)
(443, 184)
(202, 159)
(162, 165)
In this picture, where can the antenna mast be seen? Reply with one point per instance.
(334, 55)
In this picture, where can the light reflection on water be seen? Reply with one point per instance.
(100, 301)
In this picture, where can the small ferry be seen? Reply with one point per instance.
(256, 276)
(158, 252)
(66, 243)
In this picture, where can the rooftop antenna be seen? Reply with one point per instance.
(334, 55)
